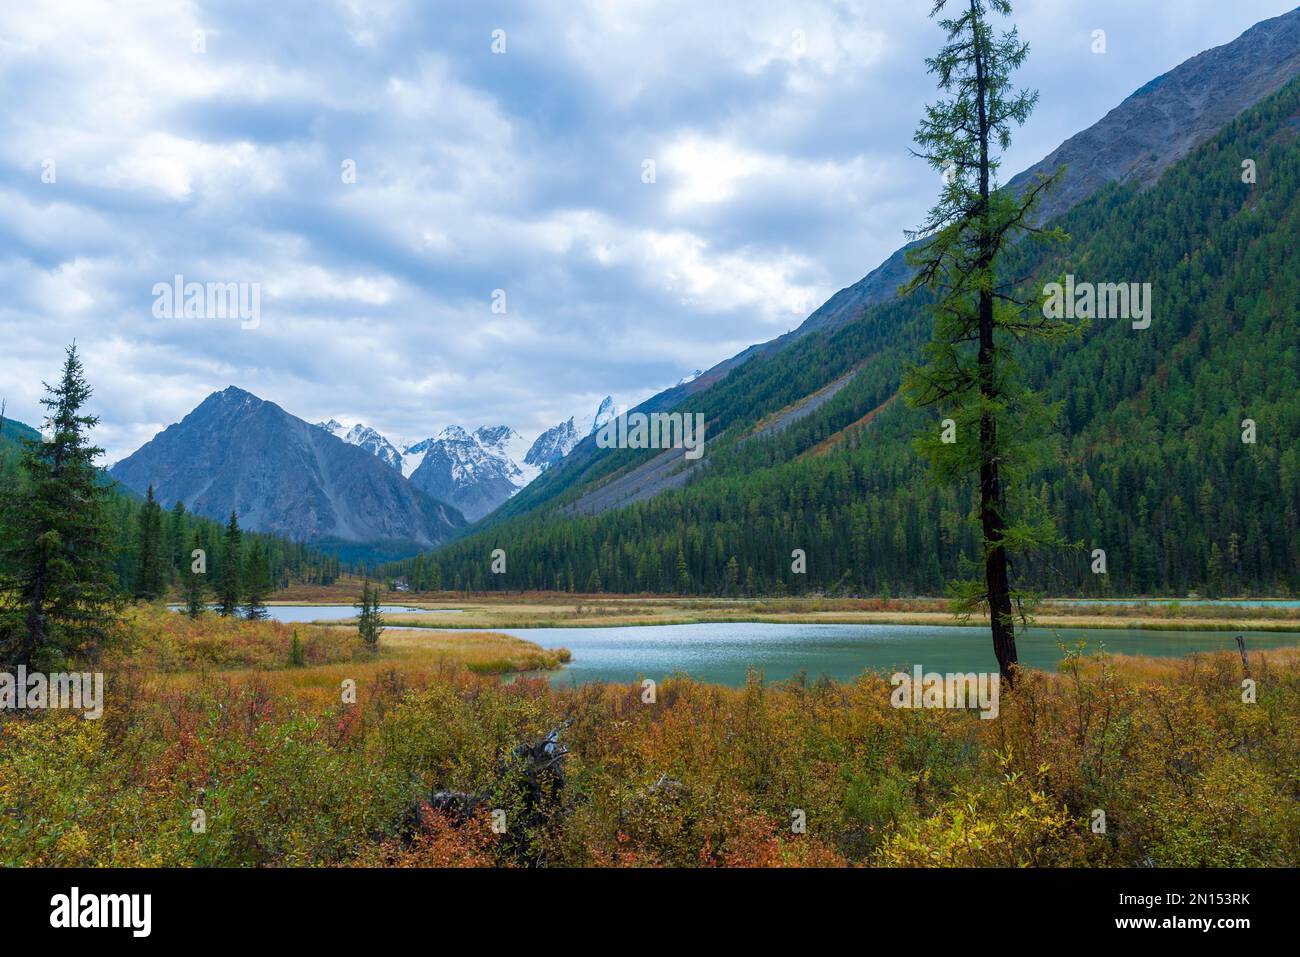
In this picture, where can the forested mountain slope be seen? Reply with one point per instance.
(1133, 144)
(1152, 466)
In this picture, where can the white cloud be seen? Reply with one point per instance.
(780, 132)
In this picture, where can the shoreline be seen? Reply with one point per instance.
(941, 620)
(476, 617)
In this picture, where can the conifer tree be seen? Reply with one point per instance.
(980, 314)
(256, 581)
(194, 583)
(683, 573)
(149, 569)
(370, 622)
(58, 587)
(228, 581)
(175, 561)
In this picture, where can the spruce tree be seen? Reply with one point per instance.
(370, 622)
(996, 424)
(149, 569)
(176, 562)
(194, 583)
(58, 587)
(256, 580)
(228, 579)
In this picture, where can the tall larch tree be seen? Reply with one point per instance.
(995, 426)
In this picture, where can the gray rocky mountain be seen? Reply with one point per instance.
(283, 475)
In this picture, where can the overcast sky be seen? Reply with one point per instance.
(779, 133)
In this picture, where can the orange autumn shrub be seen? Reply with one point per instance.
(164, 640)
(287, 773)
(438, 842)
(759, 842)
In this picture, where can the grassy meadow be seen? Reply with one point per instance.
(238, 721)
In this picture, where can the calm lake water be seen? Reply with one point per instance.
(295, 614)
(723, 652)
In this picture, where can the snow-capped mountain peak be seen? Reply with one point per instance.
(508, 443)
(367, 438)
(475, 471)
(552, 445)
(413, 455)
(604, 413)
(453, 433)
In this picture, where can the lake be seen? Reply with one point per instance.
(723, 652)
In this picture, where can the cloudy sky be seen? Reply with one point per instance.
(141, 140)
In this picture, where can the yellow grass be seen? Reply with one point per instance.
(166, 641)
(484, 652)
(543, 610)
(404, 660)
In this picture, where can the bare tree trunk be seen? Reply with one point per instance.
(996, 574)
(992, 520)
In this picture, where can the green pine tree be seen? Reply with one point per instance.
(256, 582)
(228, 579)
(683, 573)
(370, 622)
(174, 549)
(980, 314)
(194, 583)
(58, 587)
(149, 569)
(1214, 573)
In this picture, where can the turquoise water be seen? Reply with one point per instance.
(723, 652)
